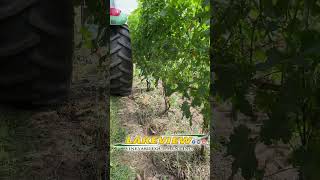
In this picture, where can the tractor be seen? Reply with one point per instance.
(36, 51)
(121, 68)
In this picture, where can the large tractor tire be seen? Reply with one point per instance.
(36, 48)
(121, 68)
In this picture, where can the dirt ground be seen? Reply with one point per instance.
(143, 113)
(272, 158)
(59, 143)
(63, 143)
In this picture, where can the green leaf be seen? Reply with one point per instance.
(242, 148)
(186, 110)
(308, 161)
(253, 13)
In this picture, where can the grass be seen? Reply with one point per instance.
(190, 165)
(147, 111)
(118, 170)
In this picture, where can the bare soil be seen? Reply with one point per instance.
(271, 158)
(59, 143)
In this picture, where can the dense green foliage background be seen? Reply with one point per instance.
(170, 42)
(266, 58)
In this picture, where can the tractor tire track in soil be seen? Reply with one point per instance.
(143, 113)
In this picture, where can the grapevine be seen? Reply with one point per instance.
(171, 44)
